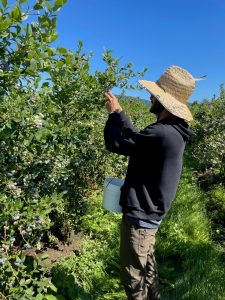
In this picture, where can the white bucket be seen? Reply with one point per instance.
(111, 195)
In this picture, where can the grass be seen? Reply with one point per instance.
(190, 265)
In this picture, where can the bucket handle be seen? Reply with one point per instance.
(109, 182)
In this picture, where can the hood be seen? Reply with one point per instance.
(181, 126)
(184, 130)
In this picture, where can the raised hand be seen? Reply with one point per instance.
(112, 104)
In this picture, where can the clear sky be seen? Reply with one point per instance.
(152, 34)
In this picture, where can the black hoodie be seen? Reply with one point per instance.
(155, 164)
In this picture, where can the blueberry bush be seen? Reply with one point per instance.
(207, 158)
(208, 143)
(52, 156)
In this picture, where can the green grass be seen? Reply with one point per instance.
(190, 265)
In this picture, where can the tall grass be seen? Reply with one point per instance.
(190, 265)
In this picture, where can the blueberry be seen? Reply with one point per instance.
(12, 240)
(16, 217)
(3, 260)
(17, 262)
(29, 230)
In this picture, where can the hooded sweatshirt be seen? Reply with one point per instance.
(155, 163)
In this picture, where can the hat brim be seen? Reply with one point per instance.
(174, 106)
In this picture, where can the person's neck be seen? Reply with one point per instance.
(163, 115)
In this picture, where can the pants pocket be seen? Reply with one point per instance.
(146, 240)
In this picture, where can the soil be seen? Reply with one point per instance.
(58, 250)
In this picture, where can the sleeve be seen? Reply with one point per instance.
(122, 137)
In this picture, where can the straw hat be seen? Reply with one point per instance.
(172, 90)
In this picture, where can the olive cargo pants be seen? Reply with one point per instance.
(138, 266)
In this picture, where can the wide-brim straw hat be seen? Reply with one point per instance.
(173, 90)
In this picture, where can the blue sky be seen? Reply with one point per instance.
(152, 34)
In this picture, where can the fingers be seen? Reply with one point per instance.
(107, 96)
(111, 102)
(110, 96)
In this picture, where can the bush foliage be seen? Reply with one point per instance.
(50, 111)
(208, 145)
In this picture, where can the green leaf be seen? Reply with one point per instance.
(50, 297)
(4, 2)
(29, 292)
(45, 24)
(4, 34)
(38, 136)
(44, 256)
(35, 264)
(48, 6)
(80, 44)
(38, 6)
(26, 142)
(8, 125)
(16, 14)
(68, 60)
(23, 1)
(53, 37)
(4, 25)
(53, 288)
(33, 65)
(53, 22)
(28, 281)
(45, 84)
(27, 29)
(60, 64)
(62, 50)
(51, 51)
(59, 3)
(30, 72)
(39, 297)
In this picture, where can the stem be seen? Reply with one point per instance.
(14, 273)
(3, 296)
(5, 230)
(12, 268)
(22, 235)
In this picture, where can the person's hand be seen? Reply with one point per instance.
(112, 104)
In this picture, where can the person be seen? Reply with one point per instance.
(154, 169)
